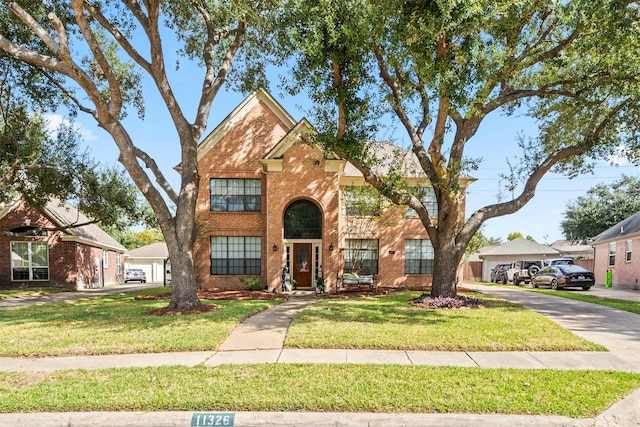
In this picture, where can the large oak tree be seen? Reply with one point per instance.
(440, 67)
(97, 53)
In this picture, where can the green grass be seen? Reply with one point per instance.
(389, 322)
(116, 324)
(19, 293)
(314, 387)
(630, 306)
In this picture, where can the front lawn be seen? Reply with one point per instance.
(314, 387)
(117, 324)
(389, 322)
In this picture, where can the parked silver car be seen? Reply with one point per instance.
(135, 275)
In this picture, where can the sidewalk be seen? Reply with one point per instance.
(259, 340)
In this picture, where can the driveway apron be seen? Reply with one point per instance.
(617, 330)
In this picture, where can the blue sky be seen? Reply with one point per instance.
(495, 141)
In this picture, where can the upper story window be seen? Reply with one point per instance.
(235, 195)
(361, 201)
(428, 198)
(628, 251)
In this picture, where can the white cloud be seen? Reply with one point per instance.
(53, 121)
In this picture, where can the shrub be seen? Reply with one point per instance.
(252, 283)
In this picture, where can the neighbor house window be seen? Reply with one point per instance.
(361, 201)
(29, 261)
(628, 251)
(428, 198)
(235, 195)
(235, 255)
(361, 256)
(612, 254)
(418, 256)
(105, 258)
(118, 263)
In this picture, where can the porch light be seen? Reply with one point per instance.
(275, 248)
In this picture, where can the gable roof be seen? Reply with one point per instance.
(64, 215)
(154, 250)
(520, 247)
(241, 112)
(625, 228)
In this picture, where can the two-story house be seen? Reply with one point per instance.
(270, 199)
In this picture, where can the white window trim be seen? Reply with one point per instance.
(612, 254)
(628, 250)
(30, 279)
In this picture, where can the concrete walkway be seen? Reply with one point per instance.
(260, 338)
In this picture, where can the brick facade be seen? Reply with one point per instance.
(260, 141)
(72, 262)
(625, 273)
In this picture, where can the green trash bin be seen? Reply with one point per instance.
(609, 279)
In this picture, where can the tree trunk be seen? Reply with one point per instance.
(445, 267)
(183, 279)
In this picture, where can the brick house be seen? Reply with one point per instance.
(614, 251)
(268, 199)
(74, 257)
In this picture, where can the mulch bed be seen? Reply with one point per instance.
(357, 291)
(351, 292)
(239, 294)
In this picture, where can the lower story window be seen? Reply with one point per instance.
(418, 256)
(29, 261)
(235, 255)
(361, 256)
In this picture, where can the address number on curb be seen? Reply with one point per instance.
(219, 419)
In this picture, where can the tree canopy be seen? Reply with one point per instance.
(38, 163)
(603, 206)
(97, 54)
(440, 68)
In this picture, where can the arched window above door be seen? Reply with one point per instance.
(303, 220)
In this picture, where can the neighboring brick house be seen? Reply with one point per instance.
(617, 249)
(269, 199)
(73, 257)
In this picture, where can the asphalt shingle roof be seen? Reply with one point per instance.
(624, 228)
(521, 247)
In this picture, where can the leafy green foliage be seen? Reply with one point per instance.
(602, 207)
(131, 239)
(252, 283)
(479, 241)
(441, 67)
(37, 165)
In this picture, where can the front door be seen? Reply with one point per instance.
(302, 264)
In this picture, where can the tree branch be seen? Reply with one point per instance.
(115, 102)
(160, 179)
(118, 36)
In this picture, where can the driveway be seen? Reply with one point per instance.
(617, 330)
(68, 296)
